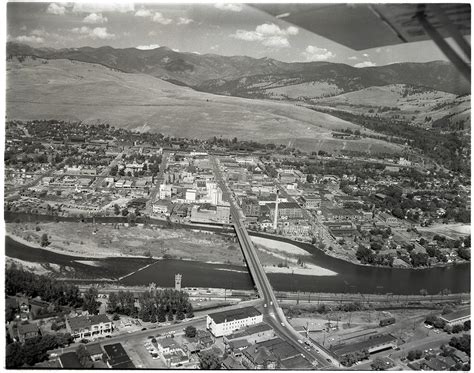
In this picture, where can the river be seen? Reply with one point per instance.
(350, 278)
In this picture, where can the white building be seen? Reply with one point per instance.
(457, 317)
(226, 322)
(165, 191)
(91, 326)
(191, 195)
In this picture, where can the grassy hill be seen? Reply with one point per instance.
(73, 90)
(419, 106)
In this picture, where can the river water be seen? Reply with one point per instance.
(350, 278)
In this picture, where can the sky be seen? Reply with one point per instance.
(220, 28)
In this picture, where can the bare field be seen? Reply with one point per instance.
(106, 241)
(71, 90)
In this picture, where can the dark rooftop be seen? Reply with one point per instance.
(363, 345)
(456, 314)
(237, 314)
(69, 360)
(280, 348)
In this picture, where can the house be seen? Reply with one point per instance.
(236, 347)
(70, 360)
(89, 326)
(457, 317)
(230, 363)
(27, 331)
(286, 210)
(117, 357)
(168, 345)
(23, 304)
(95, 351)
(389, 219)
(258, 357)
(163, 207)
(226, 322)
(312, 201)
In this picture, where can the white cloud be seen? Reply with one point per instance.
(152, 33)
(268, 34)
(365, 64)
(96, 33)
(154, 16)
(313, 53)
(29, 39)
(144, 13)
(95, 18)
(175, 50)
(103, 6)
(352, 58)
(159, 18)
(184, 21)
(378, 50)
(148, 47)
(101, 33)
(56, 8)
(365, 55)
(229, 7)
(276, 41)
(23, 28)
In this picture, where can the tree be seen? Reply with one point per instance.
(365, 255)
(309, 178)
(84, 357)
(458, 328)
(116, 209)
(414, 355)
(467, 325)
(378, 364)
(190, 331)
(209, 360)
(90, 301)
(423, 292)
(170, 316)
(44, 240)
(14, 356)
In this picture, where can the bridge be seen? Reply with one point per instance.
(272, 313)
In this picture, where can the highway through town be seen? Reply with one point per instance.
(272, 313)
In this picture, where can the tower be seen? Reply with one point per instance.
(275, 218)
(177, 281)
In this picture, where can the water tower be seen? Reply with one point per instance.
(177, 281)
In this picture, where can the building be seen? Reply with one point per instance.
(89, 326)
(117, 357)
(311, 201)
(163, 207)
(226, 322)
(389, 219)
(250, 207)
(95, 351)
(165, 191)
(456, 317)
(191, 195)
(70, 360)
(258, 357)
(374, 344)
(286, 210)
(253, 334)
(168, 346)
(210, 214)
(27, 331)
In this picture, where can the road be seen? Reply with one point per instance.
(106, 171)
(272, 313)
(159, 180)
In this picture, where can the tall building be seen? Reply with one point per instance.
(177, 281)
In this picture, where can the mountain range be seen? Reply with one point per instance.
(192, 95)
(241, 75)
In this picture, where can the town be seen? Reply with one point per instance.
(369, 210)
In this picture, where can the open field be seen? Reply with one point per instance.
(71, 90)
(101, 241)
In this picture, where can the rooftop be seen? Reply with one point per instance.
(280, 348)
(253, 329)
(459, 314)
(70, 360)
(363, 345)
(27, 328)
(231, 315)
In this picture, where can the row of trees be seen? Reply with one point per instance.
(34, 350)
(50, 290)
(155, 305)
